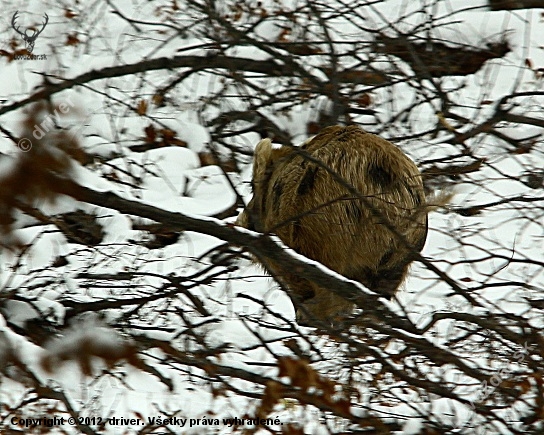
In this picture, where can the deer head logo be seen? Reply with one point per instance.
(29, 39)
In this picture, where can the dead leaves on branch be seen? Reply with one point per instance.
(314, 388)
(15, 54)
(159, 235)
(159, 138)
(212, 159)
(81, 227)
(72, 39)
(87, 344)
(308, 387)
(28, 178)
(156, 138)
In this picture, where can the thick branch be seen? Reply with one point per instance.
(260, 245)
(237, 64)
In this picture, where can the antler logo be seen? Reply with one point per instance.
(29, 39)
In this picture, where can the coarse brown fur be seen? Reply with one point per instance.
(312, 213)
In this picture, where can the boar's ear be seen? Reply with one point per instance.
(262, 155)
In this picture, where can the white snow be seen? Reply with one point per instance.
(501, 236)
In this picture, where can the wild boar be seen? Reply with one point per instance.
(310, 211)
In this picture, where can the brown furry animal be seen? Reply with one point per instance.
(312, 213)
